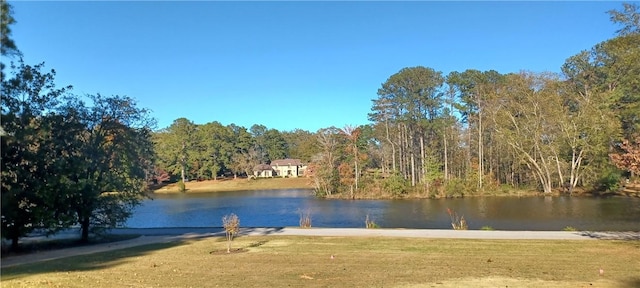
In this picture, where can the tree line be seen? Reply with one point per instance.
(463, 133)
(187, 150)
(474, 130)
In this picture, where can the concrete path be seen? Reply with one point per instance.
(164, 235)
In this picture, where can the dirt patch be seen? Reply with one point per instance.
(257, 244)
(232, 251)
(498, 281)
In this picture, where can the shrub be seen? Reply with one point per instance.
(487, 228)
(231, 224)
(569, 228)
(305, 219)
(181, 187)
(395, 184)
(457, 222)
(458, 188)
(370, 224)
(610, 181)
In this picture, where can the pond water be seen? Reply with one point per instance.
(279, 208)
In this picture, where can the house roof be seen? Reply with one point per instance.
(262, 167)
(280, 162)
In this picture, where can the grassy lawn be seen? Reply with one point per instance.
(280, 261)
(239, 184)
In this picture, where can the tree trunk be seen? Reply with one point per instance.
(446, 158)
(560, 174)
(355, 149)
(183, 162)
(469, 168)
(422, 163)
(84, 227)
(407, 154)
(14, 242)
(480, 155)
(393, 148)
(412, 160)
(401, 149)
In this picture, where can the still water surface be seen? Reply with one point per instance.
(278, 208)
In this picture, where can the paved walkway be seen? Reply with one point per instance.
(163, 235)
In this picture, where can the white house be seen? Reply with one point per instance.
(263, 171)
(288, 167)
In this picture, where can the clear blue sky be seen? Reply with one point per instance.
(288, 65)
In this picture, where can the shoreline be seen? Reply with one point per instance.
(234, 185)
(303, 183)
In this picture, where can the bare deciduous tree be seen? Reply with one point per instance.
(231, 224)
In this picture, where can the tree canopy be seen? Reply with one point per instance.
(67, 159)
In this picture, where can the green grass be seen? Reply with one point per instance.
(281, 261)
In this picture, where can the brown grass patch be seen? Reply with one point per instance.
(240, 184)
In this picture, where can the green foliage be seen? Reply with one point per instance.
(112, 154)
(569, 229)
(396, 185)
(301, 144)
(610, 180)
(275, 145)
(181, 186)
(7, 45)
(176, 147)
(33, 153)
(486, 228)
(459, 187)
(628, 17)
(66, 162)
(209, 150)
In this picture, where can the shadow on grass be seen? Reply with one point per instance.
(101, 260)
(257, 231)
(48, 244)
(633, 282)
(87, 262)
(198, 232)
(613, 235)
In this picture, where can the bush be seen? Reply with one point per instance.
(487, 228)
(370, 224)
(458, 188)
(305, 219)
(457, 222)
(396, 185)
(610, 181)
(181, 187)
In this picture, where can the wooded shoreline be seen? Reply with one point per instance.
(247, 184)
